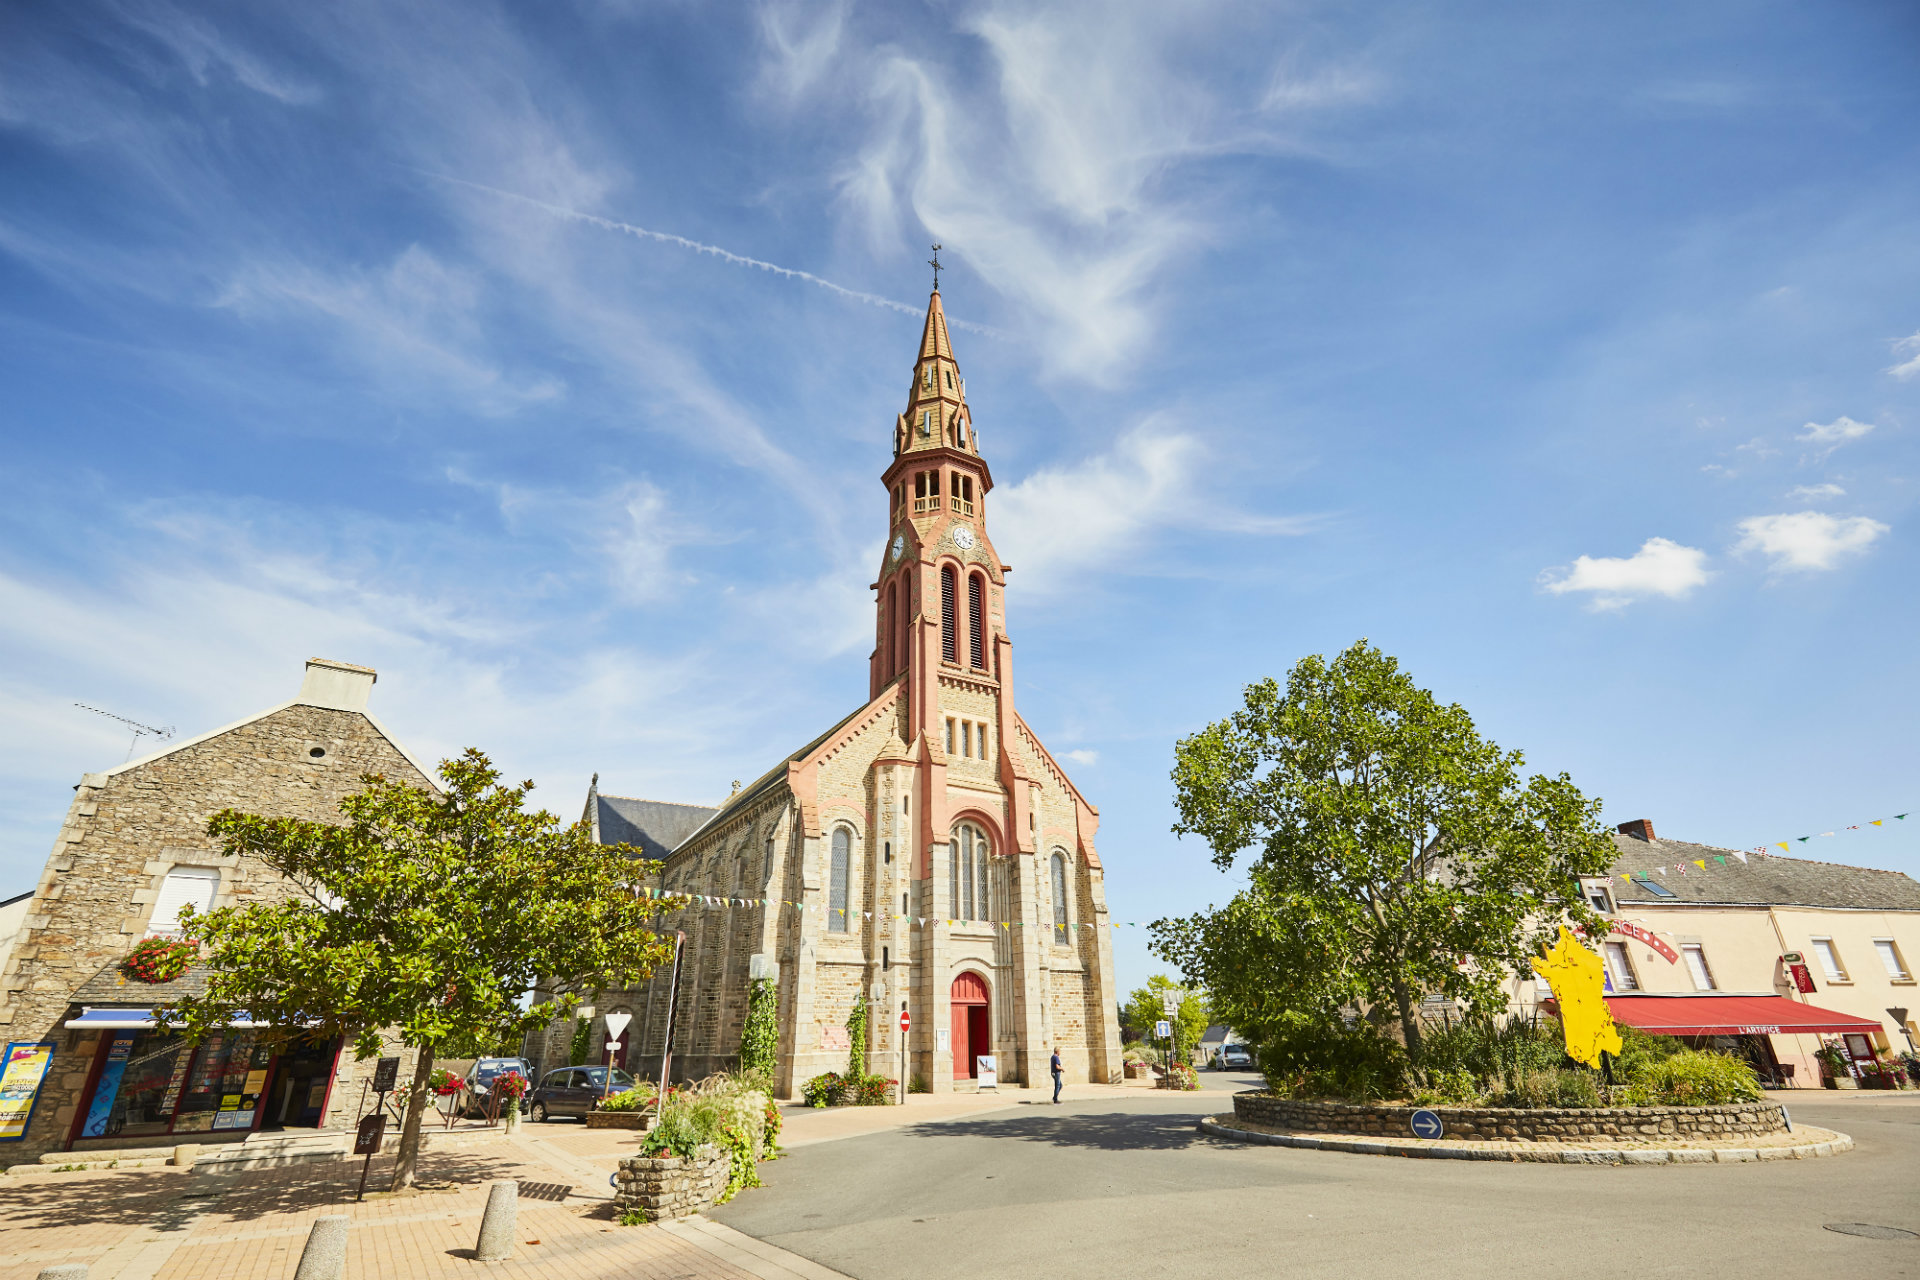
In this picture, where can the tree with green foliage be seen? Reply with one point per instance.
(582, 1042)
(1146, 1006)
(1395, 853)
(760, 1037)
(432, 913)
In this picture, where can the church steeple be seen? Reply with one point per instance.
(939, 569)
(937, 415)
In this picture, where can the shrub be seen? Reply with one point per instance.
(582, 1041)
(1181, 1075)
(760, 1038)
(831, 1089)
(1553, 1087)
(1309, 1058)
(724, 1111)
(1494, 1054)
(917, 1083)
(1447, 1088)
(822, 1091)
(632, 1099)
(1693, 1078)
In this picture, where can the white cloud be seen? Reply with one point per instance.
(196, 43)
(1909, 367)
(801, 47)
(1808, 539)
(1065, 519)
(1813, 491)
(1838, 432)
(1083, 756)
(1660, 568)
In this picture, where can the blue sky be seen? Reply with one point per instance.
(1571, 356)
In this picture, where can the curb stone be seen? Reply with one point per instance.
(1442, 1151)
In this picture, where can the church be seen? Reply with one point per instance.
(927, 851)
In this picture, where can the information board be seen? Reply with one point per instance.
(26, 1064)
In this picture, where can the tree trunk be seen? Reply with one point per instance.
(409, 1154)
(1409, 1022)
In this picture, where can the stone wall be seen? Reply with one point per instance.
(1510, 1124)
(668, 1186)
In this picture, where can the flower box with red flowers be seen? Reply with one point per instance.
(158, 960)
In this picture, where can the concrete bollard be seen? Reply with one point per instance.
(64, 1271)
(325, 1257)
(185, 1154)
(496, 1226)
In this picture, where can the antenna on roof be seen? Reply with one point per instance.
(139, 730)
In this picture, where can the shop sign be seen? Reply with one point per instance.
(986, 1071)
(1798, 971)
(20, 1079)
(1759, 1031)
(386, 1073)
(372, 1130)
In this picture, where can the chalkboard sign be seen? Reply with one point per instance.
(385, 1073)
(373, 1128)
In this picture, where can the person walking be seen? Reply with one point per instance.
(1059, 1076)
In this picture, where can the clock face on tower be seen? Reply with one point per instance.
(963, 537)
(899, 544)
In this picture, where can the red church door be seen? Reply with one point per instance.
(972, 1032)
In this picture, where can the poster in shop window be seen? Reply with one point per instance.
(25, 1068)
(108, 1088)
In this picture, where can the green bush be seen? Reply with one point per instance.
(917, 1083)
(582, 1040)
(760, 1038)
(831, 1089)
(1307, 1058)
(1553, 1087)
(724, 1111)
(1693, 1078)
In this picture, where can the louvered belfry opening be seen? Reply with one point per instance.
(977, 619)
(948, 587)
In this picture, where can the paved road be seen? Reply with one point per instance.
(1128, 1188)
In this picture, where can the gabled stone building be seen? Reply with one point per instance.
(944, 859)
(133, 851)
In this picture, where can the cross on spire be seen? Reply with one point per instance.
(934, 262)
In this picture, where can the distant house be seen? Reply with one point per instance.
(1770, 957)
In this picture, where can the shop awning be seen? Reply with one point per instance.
(1730, 1016)
(91, 1019)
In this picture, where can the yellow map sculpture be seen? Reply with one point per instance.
(1578, 981)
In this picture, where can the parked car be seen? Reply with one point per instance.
(574, 1091)
(1233, 1057)
(480, 1078)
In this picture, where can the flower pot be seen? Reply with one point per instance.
(513, 1121)
(1845, 1082)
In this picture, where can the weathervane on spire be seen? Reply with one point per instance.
(934, 262)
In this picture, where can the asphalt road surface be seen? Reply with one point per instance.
(1129, 1188)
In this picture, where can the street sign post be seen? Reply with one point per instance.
(373, 1128)
(616, 1023)
(905, 1023)
(1425, 1124)
(386, 1074)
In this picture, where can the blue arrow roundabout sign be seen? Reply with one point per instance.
(1425, 1124)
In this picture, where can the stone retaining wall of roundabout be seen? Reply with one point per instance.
(1616, 1135)
(1512, 1124)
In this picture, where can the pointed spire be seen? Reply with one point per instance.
(934, 343)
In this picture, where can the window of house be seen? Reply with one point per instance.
(1599, 895)
(1696, 959)
(1830, 960)
(1890, 957)
(1620, 974)
(837, 880)
(977, 618)
(1059, 899)
(949, 641)
(1657, 890)
(184, 887)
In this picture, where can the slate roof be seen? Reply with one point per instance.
(1770, 881)
(652, 825)
(110, 988)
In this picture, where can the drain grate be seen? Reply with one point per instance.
(1872, 1232)
(545, 1190)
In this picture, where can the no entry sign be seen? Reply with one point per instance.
(905, 1021)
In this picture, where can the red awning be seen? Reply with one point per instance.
(1729, 1016)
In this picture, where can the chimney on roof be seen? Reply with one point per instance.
(338, 685)
(1639, 829)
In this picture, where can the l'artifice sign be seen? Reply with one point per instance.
(1629, 930)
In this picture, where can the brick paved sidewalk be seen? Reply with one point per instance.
(168, 1224)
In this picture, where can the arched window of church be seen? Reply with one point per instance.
(889, 628)
(949, 587)
(1059, 898)
(980, 866)
(837, 880)
(977, 620)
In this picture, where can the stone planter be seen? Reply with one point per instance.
(667, 1186)
(1514, 1124)
(1138, 1071)
(641, 1120)
(1843, 1082)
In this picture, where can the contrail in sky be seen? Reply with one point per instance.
(667, 237)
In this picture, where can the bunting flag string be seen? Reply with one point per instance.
(1758, 851)
(712, 901)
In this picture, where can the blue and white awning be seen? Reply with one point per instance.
(125, 1019)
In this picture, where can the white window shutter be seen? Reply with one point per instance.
(183, 886)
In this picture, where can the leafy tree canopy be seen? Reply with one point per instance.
(1146, 1006)
(431, 914)
(1394, 852)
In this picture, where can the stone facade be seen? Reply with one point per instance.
(669, 1187)
(128, 827)
(1509, 1124)
(936, 766)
